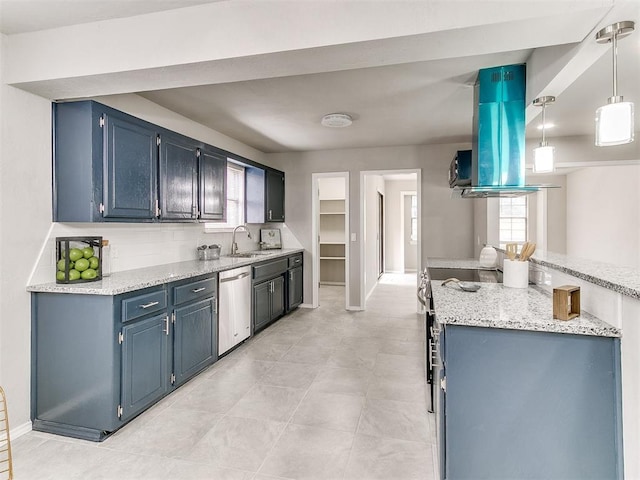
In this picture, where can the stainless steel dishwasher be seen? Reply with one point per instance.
(234, 308)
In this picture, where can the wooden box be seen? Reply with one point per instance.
(566, 302)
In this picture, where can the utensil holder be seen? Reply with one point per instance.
(515, 274)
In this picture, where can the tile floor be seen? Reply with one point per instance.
(322, 394)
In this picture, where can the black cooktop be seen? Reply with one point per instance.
(466, 274)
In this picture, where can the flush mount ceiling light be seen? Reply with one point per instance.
(337, 120)
(614, 121)
(543, 155)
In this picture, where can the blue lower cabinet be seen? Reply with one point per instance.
(195, 344)
(529, 405)
(99, 360)
(145, 364)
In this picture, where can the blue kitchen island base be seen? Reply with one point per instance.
(517, 404)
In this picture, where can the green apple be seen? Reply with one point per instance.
(82, 264)
(94, 262)
(74, 275)
(60, 276)
(61, 264)
(87, 252)
(89, 274)
(75, 254)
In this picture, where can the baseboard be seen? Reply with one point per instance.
(20, 430)
(355, 308)
(305, 305)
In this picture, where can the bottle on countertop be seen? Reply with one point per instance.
(106, 258)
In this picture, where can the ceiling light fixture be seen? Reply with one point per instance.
(336, 120)
(543, 155)
(614, 121)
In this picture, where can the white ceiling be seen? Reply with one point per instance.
(19, 16)
(411, 102)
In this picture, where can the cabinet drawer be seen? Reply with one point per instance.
(140, 305)
(295, 260)
(193, 290)
(270, 269)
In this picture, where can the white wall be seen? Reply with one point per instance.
(447, 224)
(393, 229)
(603, 214)
(25, 216)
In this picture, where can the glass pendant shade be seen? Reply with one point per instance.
(614, 124)
(543, 159)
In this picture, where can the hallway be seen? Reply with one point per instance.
(322, 394)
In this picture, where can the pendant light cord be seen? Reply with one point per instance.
(614, 49)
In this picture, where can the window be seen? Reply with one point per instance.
(235, 198)
(414, 219)
(513, 220)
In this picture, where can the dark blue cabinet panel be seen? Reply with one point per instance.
(213, 183)
(178, 177)
(130, 170)
(264, 195)
(275, 196)
(145, 364)
(294, 288)
(105, 164)
(195, 343)
(261, 305)
(530, 405)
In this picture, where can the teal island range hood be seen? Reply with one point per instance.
(498, 153)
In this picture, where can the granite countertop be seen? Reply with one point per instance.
(496, 306)
(624, 280)
(130, 280)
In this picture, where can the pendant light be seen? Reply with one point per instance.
(614, 121)
(543, 155)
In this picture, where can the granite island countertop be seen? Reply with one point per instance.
(137, 279)
(497, 306)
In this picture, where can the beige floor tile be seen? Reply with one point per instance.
(309, 453)
(268, 403)
(401, 420)
(329, 410)
(171, 434)
(294, 375)
(183, 470)
(241, 443)
(216, 395)
(350, 381)
(402, 390)
(312, 355)
(379, 458)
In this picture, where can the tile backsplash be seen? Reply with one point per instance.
(144, 245)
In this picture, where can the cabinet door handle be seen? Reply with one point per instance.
(270, 214)
(196, 290)
(291, 275)
(150, 304)
(166, 325)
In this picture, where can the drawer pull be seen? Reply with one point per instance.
(149, 305)
(196, 290)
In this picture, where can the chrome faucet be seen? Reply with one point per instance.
(234, 245)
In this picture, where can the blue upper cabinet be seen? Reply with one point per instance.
(212, 174)
(130, 171)
(105, 164)
(264, 194)
(178, 177)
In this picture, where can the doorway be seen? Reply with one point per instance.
(390, 229)
(330, 231)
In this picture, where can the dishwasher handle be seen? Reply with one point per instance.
(236, 277)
